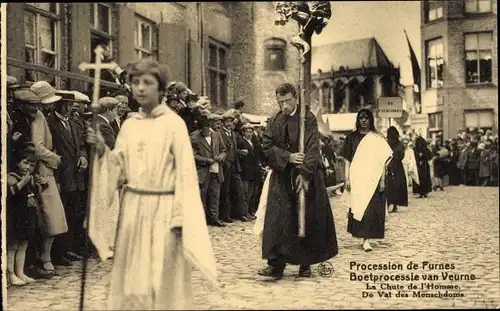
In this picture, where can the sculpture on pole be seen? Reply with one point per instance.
(312, 17)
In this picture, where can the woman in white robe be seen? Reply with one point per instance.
(410, 164)
(161, 229)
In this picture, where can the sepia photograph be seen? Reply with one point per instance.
(246, 155)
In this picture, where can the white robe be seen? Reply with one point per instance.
(410, 166)
(365, 171)
(152, 264)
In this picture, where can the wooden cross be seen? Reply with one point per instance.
(95, 110)
(97, 73)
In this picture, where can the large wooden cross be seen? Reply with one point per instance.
(97, 73)
(95, 111)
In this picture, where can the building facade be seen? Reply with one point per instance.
(459, 67)
(351, 75)
(227, 51)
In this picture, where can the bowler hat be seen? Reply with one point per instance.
(45, 91)
(26, 95)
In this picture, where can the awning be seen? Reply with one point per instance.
(340, 122)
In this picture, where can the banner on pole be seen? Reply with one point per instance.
(390, 107)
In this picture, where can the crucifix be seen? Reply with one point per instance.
(95, 110)
(312, 17)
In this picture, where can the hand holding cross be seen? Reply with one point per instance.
(95, 110)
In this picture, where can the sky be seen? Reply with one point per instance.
(384, 20)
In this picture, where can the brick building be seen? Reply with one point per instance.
(459, 67)
(228, 51)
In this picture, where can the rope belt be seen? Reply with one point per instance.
(148, 191)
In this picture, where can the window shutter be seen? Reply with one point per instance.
(126, 48)
(79, 41)
(172, 49)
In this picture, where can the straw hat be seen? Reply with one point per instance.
(12, 82)
(45, 91)
(78, 96)
(26, 96)
(228, 115)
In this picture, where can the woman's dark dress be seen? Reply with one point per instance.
(372, 226)
(453, 170)
(396, 189)
(21, 217)
(424, 173)
(441, 164)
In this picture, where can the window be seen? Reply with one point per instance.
(478, 63)
(478, 6)
(433, 10)
(100, 17)
(41, 39)
(217, 70)
(100, 24)
(274, 54)
(435, 63)
(435, 120)
(145, 38)
(479, 119)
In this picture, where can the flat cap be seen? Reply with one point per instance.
(247, 126)
(108, 102)
(27, 95)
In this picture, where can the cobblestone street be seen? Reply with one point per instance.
(459, 226)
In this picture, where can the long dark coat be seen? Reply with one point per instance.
(280, 236)
(422, 157)
(396, 189)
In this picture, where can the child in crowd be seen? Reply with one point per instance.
(22, 191)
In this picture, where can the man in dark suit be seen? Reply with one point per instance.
(67, 137)
(108, 113)
(209, 153)
(232, 185)
(122, 111)
(250, 167)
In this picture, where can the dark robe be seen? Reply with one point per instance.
(424, 172)
(372, 226)
(396, 185)
(280, 236)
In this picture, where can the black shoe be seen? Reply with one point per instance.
(250, 216)
(216, 223)
(228, 220)
(273, 272)
(244, 219)
(62, 261)
(305, 272)
(73, 256)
